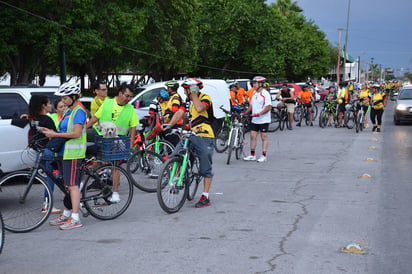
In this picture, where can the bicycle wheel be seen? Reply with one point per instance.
(360, 120)
(297, 114)
(24, 215)
(314, 111)
(349, 119)
(98, 188)
(240, 141)
(321, 119)
(221, 142)
(1, 233)
(194, 179)
(231, 144)
(144, 169)
(170, 196)
(282, 121)
(274, 121)
(305, 116)
(165, 148)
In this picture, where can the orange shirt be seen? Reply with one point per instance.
(306, 96)
(249, 94)
(237, 97)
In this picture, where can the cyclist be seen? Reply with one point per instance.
(39, 106)
(122, 114)
(72, 127)
(237, 96)
(100, 89)
(156, 111)
(287, 97)
(378, 101)
(173, 105)
(364, 101)
(306, 98)
(342, 100)
(60, 108)
(260, 106)
(331, 101)
(240, 90)
(202, 143)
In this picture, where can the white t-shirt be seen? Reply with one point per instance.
(259, 101)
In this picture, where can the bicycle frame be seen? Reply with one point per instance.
(184, 164)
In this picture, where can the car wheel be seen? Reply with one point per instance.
(396, 121)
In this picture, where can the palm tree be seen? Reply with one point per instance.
(286, 6)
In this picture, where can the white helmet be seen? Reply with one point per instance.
(68, 88)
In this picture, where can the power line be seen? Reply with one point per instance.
(131, 49)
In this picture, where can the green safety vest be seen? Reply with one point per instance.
(55, 119)
(122, 121)
(75, 148)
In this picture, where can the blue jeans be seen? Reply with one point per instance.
(48, 157)
(203, 148)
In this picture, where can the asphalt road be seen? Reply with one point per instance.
(292, 214)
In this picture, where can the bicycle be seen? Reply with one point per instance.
(314, 110)
(350, 116)
(144, 164)
(284, 118)
(222, 138)
(361, 117)
(179, 178)
(22, 192)
(236, 137)
(329, 107)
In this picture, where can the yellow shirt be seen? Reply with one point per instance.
(199, 120)
(378, 99)
(364, 94)
(95, 105)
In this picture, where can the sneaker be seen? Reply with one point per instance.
(262, 159)
(290, 128)
(298, 124)
(311, 124)
(203, 202)
(378, 129)
(70, 224)
(115, 198)
(250, 158)
(59, 220)
(374, 128)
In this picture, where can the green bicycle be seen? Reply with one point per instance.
(179, 178)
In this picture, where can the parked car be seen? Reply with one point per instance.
(14, 101)
(322, 92)
(275, 88)
(216, 89)
(403, 106)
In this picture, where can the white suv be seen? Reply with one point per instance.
(14, 101)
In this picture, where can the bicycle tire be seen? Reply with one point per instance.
(321, 118)
(144, 168)
(306, 116)
(360, 120)
(194, 179)
(314, 111)
(274, 121)
(165, 149)
(171, 198)
(221, 142)
(239, 149)
(349, 119)
(231, 145)
(297, 113)
(1, 233)
(97, 191)
(282, 121)
(20, 217)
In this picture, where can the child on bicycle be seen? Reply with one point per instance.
(306, 98)
(330, 101)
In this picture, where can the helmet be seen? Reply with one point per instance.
(260, 79)
(164, 94)
(68, 88)
(192, 82)
(232, 86)
(266, 84)
(172, 84)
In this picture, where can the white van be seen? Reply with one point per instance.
(216, 89)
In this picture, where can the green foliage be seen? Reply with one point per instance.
(208, 38)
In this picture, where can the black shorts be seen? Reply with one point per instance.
(72, 172)
(259, 127)
(342, 108)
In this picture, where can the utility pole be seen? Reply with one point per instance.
(338, 74)
(372, 68)
(346, 42)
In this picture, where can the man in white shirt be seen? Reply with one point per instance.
(260, 106)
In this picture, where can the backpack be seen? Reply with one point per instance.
(215, 123)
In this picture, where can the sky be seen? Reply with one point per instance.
(378, 29)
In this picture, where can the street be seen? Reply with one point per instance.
(293, 214)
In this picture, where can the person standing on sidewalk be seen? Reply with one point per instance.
(260, 106)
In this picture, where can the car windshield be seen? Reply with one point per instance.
(406, 94)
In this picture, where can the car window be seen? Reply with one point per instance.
(406, 94)
(147, 98)
(12, 105)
